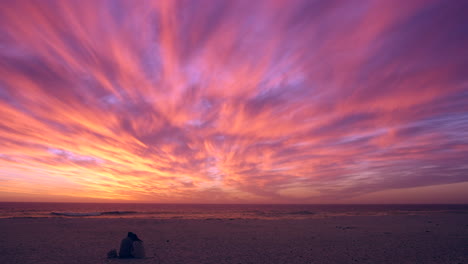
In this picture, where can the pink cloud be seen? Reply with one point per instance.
(264, 101)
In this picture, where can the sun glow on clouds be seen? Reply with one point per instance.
(232, 101)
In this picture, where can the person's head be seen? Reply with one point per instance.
(130, 234)
(134, 237)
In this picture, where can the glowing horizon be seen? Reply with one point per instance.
(234, 101)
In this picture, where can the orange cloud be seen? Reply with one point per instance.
(232, 101)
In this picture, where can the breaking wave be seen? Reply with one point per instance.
(92, 213)
(302, 213)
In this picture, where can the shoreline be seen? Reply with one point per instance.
(440, 238)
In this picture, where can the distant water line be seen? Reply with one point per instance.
(216, 211)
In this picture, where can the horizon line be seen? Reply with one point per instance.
(236, 203)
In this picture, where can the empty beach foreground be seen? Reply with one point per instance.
(356, 239)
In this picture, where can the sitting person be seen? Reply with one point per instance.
(138, 251)
(126, 246)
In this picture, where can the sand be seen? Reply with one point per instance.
(356, 239)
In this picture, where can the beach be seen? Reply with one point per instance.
(439, 238)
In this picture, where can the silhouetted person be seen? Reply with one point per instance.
(126, 246)
(138, 250)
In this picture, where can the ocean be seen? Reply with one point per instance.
(217, 211)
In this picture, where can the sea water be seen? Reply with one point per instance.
(217, 211)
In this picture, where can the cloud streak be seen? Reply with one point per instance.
(231, 101)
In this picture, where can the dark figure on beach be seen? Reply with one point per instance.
(126, 246)
(138, 251)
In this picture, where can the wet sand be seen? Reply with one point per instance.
(355, 239)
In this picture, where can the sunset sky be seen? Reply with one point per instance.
(211, 101)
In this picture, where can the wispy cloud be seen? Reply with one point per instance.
(232, 101)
